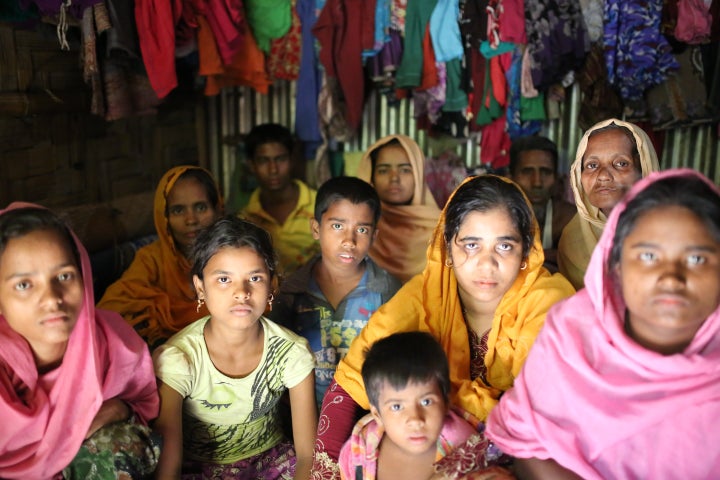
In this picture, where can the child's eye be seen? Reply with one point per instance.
(202, 207)
(395, 407)
(406, 170)
(22, 286)
(363, 230)
(381, 171)
(471, 246)
(223, 279)
(696, 260)
(256, 278)
(336, 226)
(426, 402)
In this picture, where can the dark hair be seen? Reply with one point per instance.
(376, 153)
(531, 142)
(635, 153)
(22, 221)
(682, 191)
(231, 231)
(206, 180)
(404, 358)
(352, 189)
(484, 193)
(268, 133)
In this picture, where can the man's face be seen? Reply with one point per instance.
(536, 175)
(271, 166)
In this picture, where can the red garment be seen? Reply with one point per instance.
(283, 61)
(339, 32)
(227, 22)
(512, 22)
(368, 24)
(247, 68)
(495, 144)
(429, 75)
(156, 21)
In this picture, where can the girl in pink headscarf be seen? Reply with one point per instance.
(624, 379)
(76, 384)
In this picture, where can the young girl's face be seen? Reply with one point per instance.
(669, 272)
(236, 287)
(188, 210)
(41, 288)
(412, 416)
(486, 255)
(393, 177)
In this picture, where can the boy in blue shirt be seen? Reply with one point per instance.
(330, 298)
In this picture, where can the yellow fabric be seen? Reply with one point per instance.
(404, 231)
(430, 302)
(155, 294)
(293, 239)
(582, 233)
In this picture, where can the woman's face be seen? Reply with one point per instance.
(669, 272)
(41, 289)
(486, 255)
(393, 176)
(608, 169)
(188, 210)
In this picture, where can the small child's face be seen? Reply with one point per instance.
(669, 271)
(412, 416)
(346, 232)
(41, 288)
(236, 287)
(393, 177)
(271, 166)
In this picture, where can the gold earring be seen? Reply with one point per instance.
(448, 262)
(523, 265)
(270, 300)
(201, 302)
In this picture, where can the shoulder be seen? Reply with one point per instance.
(380, 279)
(307, 195)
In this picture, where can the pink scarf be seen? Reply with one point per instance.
(43, 429)
(602, 406)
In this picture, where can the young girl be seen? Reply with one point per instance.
(76, 383)
(624, 380)
(154, 295)
(483, 295)
(223, 375)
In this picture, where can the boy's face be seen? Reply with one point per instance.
(412, 416)
(271, 166)
(346, 232)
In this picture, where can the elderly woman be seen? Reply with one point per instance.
(611, 157)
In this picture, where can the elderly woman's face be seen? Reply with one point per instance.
(608, 169)
(669, 272)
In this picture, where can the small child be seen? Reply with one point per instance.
(410, 425)
(223, 375)
(330, 299)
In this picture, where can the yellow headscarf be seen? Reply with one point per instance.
(155, 294)
(404, 231)
(580, 236)
(430, 302)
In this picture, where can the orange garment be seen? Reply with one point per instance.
(429, 75)
(430, 302)
(404, 231)
(247, 67)
(155, 294)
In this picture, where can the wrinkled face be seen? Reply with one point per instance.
(393, 176)
(486, 255)
(412, 416)
(236, 287)
(535, 174)
(669, 272)
(346, 232)
(271, 166)
(188, 211)
(608, 169)
(41, 289)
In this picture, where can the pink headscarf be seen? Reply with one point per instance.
(601, 405)
(43, 428)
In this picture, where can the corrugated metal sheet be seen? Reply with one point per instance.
(235, 111)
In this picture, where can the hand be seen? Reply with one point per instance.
(111, 411)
